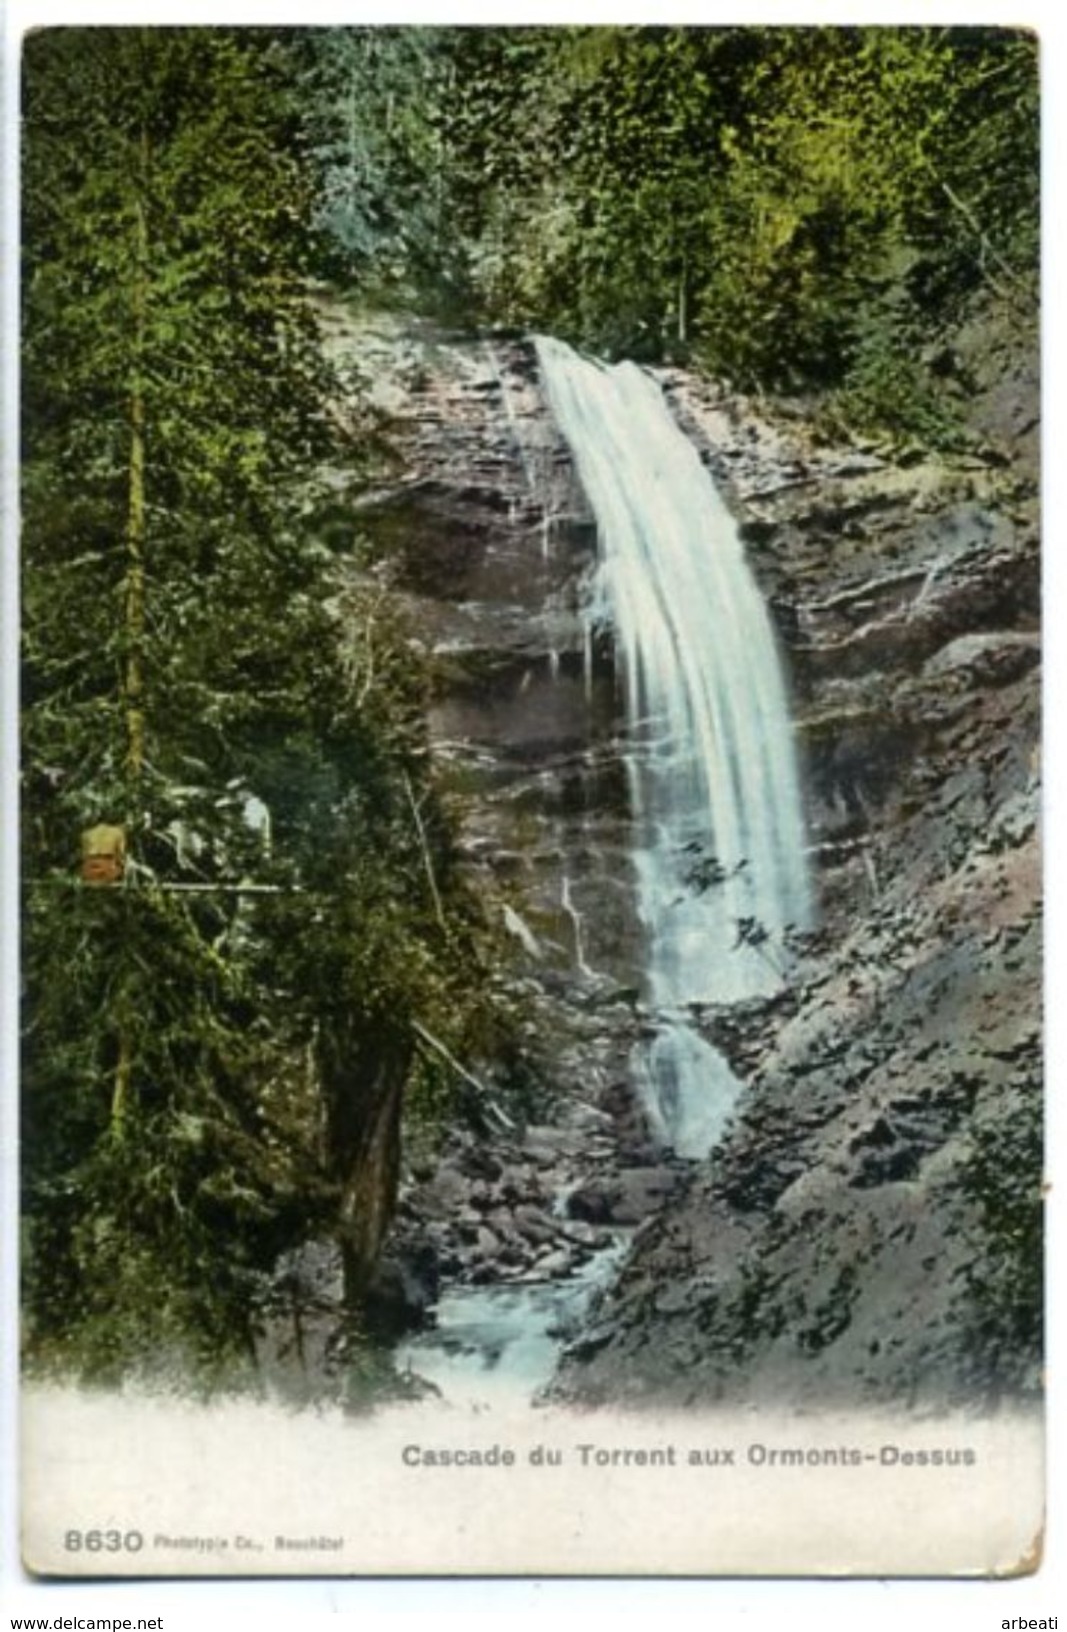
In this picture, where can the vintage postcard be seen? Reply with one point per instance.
(530, 801)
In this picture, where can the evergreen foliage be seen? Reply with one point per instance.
(379, 206)
(216, 1046)
(792, 208)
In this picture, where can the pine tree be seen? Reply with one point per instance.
(381, 191)
(217, 1043)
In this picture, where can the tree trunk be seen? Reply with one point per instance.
(135, 524)
(120, 1095)
(683, 300)
(364, 1100)
(136, 538)
(370, 1197)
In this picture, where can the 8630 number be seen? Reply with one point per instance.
(103, 1541)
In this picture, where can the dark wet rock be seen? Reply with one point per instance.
(643, 1190)
(546, 1145)
(405, 1287)
(477, 1161)
(594, 1202)
(629, 1196)
(535, 1225)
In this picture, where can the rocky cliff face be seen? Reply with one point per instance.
(867, 1230)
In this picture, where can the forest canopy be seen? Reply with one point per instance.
(791, 208)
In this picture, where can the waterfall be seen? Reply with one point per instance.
(719, 846)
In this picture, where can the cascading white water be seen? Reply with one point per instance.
(720, 851)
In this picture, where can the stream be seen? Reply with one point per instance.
(496, 1345)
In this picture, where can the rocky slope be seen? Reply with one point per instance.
(867, 1230)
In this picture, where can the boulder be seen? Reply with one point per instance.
(405, 1287)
